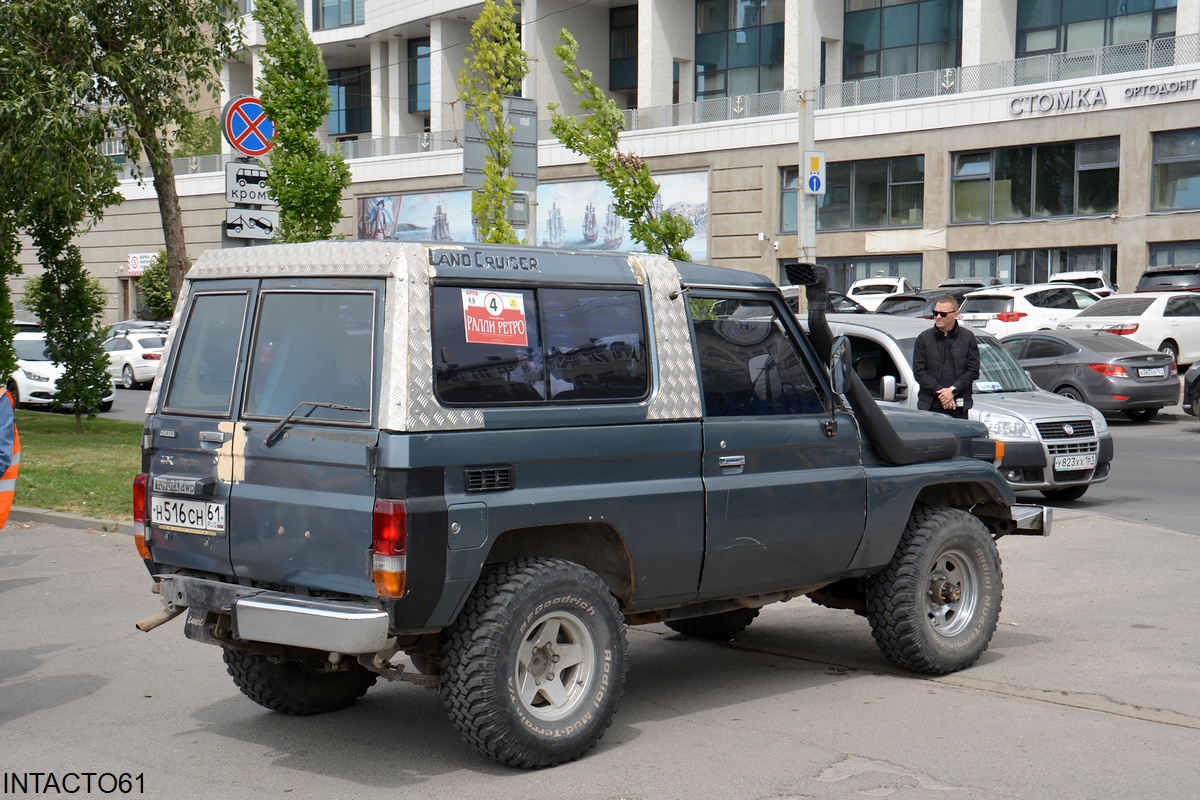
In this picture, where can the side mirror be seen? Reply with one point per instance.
(887, 388)
(839, 362)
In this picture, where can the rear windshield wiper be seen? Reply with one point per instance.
(277, 431)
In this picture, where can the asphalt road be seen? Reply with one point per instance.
(1089, 690)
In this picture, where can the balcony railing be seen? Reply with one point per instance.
(1117, 58)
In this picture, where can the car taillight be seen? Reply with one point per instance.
(389, 545)
(1174, 373)
(1011, 316)
(1123, 329)
(151, 356)
(1111, 370)
(140, 526)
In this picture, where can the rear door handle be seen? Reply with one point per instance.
(731, 461)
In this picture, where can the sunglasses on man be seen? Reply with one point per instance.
(944, 313)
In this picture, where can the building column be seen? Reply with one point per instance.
(1187, 17)
(397, 99)
(448, 41)
(989, 31)
(381, 96)
(666, 34)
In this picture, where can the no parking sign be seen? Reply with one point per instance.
(246, 126)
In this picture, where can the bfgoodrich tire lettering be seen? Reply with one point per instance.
(535, 664)
(294, 688)
(935, 607)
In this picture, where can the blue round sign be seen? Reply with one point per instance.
(246, 126)
(814, 183)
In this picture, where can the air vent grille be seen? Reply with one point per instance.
(490, 479)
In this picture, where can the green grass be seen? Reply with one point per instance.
(90, 474)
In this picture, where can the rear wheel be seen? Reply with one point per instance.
(1142, 414)
(296, 688)
(936, 605)
(1069, 392)
(1170, 348)
(127, 379)
(16, 394)
(717, 627)
(106, 406)
(535, 664)
(1069, 493)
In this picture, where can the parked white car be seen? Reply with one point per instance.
(35, 380)
(1094, 281)
(870, 292)
(133, 357)
(1005, 310)
(1166, 321)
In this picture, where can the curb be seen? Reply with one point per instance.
(21, 514)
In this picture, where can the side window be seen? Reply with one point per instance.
(1014, 346)
(206, 358)
(1044, 348)
(499, 346)
(1083, 299)
(871, 363)
(749, 366)
(312, 348)
(1182, 307)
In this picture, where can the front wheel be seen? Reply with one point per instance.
(936, 605)
(1142, 414)
(715, 627)
(535, 664)
(296, 688)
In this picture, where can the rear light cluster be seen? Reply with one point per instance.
(1124, 329)
(151, 356)
(1110, 370)
(389, 546)
(141, 525)
(1011, 316)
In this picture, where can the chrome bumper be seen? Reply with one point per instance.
(1032, 520)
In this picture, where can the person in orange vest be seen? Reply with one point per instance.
(10, 456)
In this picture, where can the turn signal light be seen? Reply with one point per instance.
(389, 547)
(1011, 316)
(140, 526)
(1111, 370)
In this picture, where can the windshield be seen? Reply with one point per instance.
(998, 372)
(31, 350)
(876, 288)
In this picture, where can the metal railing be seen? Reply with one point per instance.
(1117, 58)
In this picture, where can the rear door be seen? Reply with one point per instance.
(302, 451)
(1049, 362)
(785, 502)
(1182, 315)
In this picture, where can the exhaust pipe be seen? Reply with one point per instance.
(153, 621)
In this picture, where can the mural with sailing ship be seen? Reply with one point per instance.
(555, 233)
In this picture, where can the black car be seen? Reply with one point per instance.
(1182, 278)
(1106, 371)
(1191, 391)
(919, 303)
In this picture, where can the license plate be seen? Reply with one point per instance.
(1152, 372)
(1081, 461)
(975, 323)
(192, 516)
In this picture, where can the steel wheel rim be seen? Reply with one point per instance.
(555, 666)
(953, 593)
(127, 379)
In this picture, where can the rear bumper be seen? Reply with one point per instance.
(337, 626)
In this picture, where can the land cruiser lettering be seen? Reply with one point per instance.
(401, 496)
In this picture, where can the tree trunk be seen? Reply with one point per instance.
(168, 207)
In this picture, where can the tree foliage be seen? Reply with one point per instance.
(595, 137)
(56, 181)
(199, 135)
(155, 285)
(69, 303)
(305, 181)
(494, 68)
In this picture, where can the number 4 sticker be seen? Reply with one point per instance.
(494, 317)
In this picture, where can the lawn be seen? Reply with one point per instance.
(90, 474)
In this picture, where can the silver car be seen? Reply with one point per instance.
(1052, 444)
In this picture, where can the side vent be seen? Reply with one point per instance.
(490, 479)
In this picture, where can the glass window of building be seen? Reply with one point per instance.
(329, 14)
(900, 37)
(1176, 170)
(1036, 181)
(418, 75)
(1060, 26)
(350, 91)
(1170, 254)
(1034, 266)
(846, 270)
(622, 48)
(876, 193)
(739, 47)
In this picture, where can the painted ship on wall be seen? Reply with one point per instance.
(441, 225)
(613, 235)
(590, 230)
(555, 230)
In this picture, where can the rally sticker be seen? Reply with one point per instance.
(494, 317)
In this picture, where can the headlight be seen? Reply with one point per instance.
(1005, 426)
(33, 376)
(1099, 422)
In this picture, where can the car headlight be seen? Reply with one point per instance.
(1099, 422)
(33, 376)
(1005, 426)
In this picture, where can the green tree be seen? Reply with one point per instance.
(494, 68)
(199, 135)
(595, 137)
(155, 285)
(305, 181)
(56, 179)
(69, 303)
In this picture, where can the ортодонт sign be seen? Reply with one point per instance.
(246, 126)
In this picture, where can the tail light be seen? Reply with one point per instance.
(389, 546)
(151, 356)
(1110, 370)
(1011, 316)
(140, 524)
(1174, 371)
(1123, 329)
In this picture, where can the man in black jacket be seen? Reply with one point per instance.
(946, 362)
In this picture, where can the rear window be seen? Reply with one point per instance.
(207, 354)
(1111, 343)
(499, 346)
(151, 342)
(887, 288)
(1160, 279)
(902, 305)
(987, 304)
(1118, 307)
